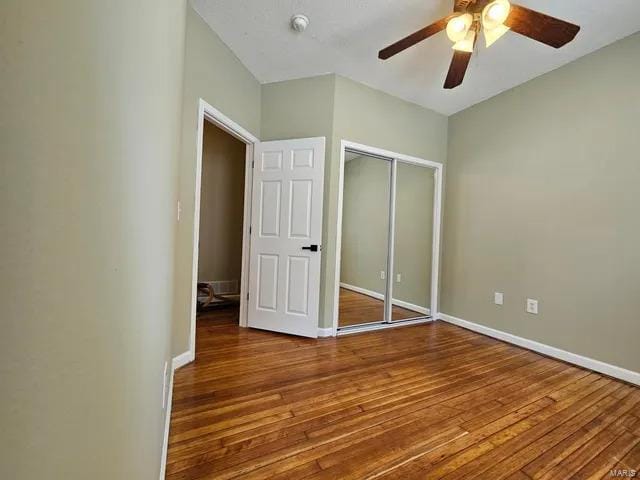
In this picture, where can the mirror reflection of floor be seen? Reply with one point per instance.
(356, 308)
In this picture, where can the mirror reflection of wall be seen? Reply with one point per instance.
(365, 232)
(413, 241)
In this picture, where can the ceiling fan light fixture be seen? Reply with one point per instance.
(495, 14)
(458, 27)
(491, 36)
(467, 43)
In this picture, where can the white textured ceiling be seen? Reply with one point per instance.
(344, 37)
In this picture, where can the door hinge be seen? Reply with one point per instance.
(253, 162)
(249, 229)
(247, 295)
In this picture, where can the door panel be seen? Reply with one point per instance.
(300, 209)
(268, 282)
(298, 286)
(270, 208)
(284, 277)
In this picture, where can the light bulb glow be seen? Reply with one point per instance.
(495, 14)
(458, 27)
(467, 43)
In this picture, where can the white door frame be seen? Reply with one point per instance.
(208, 113)
(437, 223)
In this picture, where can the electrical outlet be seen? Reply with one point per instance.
(532, 306)
(399, 277)
(382, 275)
(165, 384)
(498, 298)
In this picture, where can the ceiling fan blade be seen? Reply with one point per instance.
(543, 28)
(461, 5)
(412, 39)
(457, 69)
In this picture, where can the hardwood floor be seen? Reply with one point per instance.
(431, 401)
(355, 308)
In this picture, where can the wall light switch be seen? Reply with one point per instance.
(532, 306)
(399, 278)
(498, 298)
(382, 275)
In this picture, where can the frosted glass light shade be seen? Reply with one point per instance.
(495, 13)
(467, 43)
(459, 26)
(490, 36)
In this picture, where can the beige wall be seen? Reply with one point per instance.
(89, 135)
(298, 108)
(211, 72)
(542, 202)
(365, 228)
(221, 206)
(339, 108)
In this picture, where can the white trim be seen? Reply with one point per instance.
(246, 237)
(585, 362)
(437, 238)
(391, 236)
(181, 360)
(437, 218)
(325, 332)
(380, 296)
(221, 120)
(336, 294)
(176, 362)
(207, 112)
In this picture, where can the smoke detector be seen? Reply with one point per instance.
(299, 23)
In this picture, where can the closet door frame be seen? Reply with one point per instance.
(437, 228)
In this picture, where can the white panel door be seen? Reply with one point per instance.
(286, 231)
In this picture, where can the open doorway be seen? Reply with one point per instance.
(284, 188)
(221, 221)
(223, 179)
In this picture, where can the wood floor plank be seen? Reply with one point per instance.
(602, 462)
(419, 402)
(553, 456)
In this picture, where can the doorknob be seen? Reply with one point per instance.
(313, 248)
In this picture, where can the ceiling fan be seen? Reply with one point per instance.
(494, 18)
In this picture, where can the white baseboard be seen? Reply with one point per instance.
(380, 296)
(176, 362)
(586, 362)
(167, 423)
(325, 332)
(182, 359)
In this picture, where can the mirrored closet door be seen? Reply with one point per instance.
(387, 242)
(365, 239)
(413, 241)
